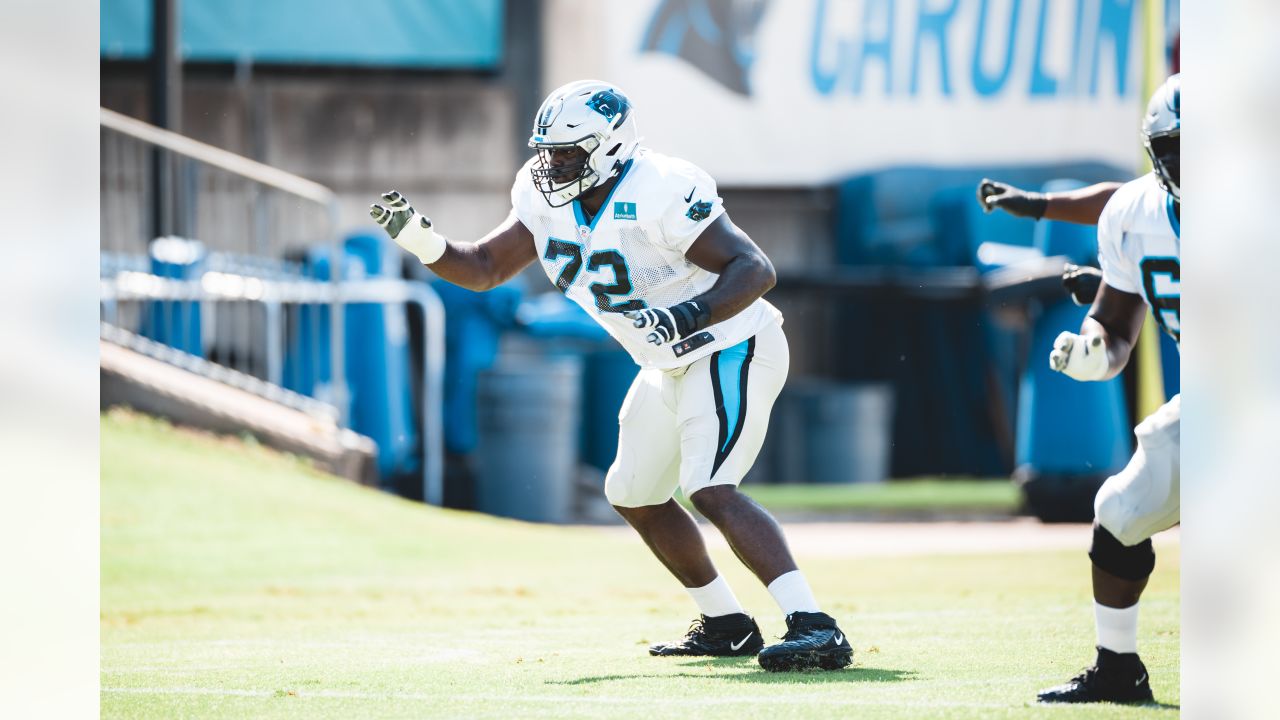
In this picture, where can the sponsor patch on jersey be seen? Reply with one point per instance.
(691, 343)
(699, 211)
(624, 211)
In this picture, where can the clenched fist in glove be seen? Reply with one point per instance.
(411, 231)
(1082, 283)
(1015, 201)
(1082, 357)
(671, 324)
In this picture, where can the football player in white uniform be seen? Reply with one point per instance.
(641, 241)
(1140, 252)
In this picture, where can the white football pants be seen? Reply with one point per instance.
(697, 426)
(1143, 498)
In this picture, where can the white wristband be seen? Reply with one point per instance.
(422, 240)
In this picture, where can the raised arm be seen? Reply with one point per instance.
(1082, 206)
(745, 275)
(482, 265)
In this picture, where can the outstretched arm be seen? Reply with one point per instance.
(1082, 206)
(482, 265)
(489, 262)
(745, 275)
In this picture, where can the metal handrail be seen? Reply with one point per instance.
(264, 174)
(221, 373)
(216, 286)
(216, 156)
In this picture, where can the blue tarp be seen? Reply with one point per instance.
(400, 33)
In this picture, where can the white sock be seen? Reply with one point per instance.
(715, 598)
(791, 592)
(1117, 627)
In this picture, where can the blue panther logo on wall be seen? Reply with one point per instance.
(714, 36)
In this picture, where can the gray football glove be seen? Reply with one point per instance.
(411, 231)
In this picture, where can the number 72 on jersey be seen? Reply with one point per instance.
(597, 263)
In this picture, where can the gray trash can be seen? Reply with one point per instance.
(833, 432)
(528, 412)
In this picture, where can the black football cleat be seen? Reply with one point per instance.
(735, 635)
(812, 641)
(1115, 678)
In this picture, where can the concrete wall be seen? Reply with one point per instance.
(445, 143)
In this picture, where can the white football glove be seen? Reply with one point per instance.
(673, 323)
(1082, 357)
(411, 231)
(660, 319)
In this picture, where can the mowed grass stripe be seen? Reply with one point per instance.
(557, 699)
(230, 569)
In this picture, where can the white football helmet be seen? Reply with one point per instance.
(1161, 128)
(584, 133)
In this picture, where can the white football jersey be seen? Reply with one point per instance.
(1139, 248)
(631, 254)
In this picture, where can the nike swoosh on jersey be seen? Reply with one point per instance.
(689, 197)
(738, 645)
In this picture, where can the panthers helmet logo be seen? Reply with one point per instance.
(715, 36)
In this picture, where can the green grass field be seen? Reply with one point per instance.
(237, 582)
(901, 498)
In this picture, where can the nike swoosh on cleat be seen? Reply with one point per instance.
(1140, 680)
(839, 638)
(689, 197)
(736, 646)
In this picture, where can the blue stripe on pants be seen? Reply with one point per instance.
(730, 380)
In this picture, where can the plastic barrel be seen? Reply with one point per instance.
(834, 432)
(528, 417)
(607, 377)
(176, 323)
(377, 361)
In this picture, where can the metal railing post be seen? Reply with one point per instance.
(432, 393)
(130, 286)
(275, 342)
(337, 319)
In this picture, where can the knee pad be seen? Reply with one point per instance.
(1129, 562)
